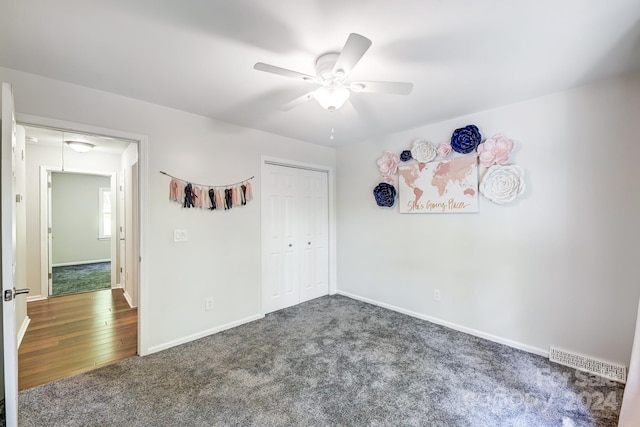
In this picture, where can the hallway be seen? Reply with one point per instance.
(76, 333)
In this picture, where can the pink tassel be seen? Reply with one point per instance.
(206, 201)
(236, 196)
(180, 192)
(173, 191)
(248, 192)
(219, 199)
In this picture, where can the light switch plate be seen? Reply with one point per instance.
(180, 235)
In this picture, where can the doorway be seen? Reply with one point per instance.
(74, 199)
(80, 231)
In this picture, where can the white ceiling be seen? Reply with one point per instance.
(55, 138)
(463, 56)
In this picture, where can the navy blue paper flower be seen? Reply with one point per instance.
(385, 194)
(405, 156)
(466, 139)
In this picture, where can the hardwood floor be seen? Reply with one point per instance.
(76, 333)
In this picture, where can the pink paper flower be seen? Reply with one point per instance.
(444, 150)
(495, 150)
(388, 163)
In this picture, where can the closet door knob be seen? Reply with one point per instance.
(308, 243)
(290, 245)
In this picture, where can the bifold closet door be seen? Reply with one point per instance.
(313, 223)
(294, 234)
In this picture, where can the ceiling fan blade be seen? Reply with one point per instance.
(261, 66)
(396, 88)
(298, 101)
(353, 50)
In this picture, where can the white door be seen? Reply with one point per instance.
(49, 236)
(134, 251)
(280, 257)
(294, 236)
(8, 234)
(121, 230)
(314, 232)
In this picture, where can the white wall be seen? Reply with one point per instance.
(75, 218)
(36, 157)
(222, 257)
(557, 267)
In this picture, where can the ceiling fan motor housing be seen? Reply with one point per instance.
(324, 67)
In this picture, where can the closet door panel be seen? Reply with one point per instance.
(280, 260)
(314, 232)
(305, 230)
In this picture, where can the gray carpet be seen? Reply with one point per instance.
(72, 279)
(332, 361)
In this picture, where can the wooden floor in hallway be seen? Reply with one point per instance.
(71, 334)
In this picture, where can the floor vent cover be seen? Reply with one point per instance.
(588, 364)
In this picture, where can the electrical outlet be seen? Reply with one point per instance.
(436, 294)
(208, 304)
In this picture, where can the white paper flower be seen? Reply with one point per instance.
(502, 183)
(423, 151)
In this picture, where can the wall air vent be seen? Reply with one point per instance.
(588, 364)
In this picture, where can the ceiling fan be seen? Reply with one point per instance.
(332, 71)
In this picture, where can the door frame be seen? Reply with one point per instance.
(143, 179)
(333, 285)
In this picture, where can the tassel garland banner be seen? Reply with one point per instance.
(212, 197)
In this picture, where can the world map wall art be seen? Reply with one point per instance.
(449, 178)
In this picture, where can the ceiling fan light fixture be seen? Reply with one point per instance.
(80, 146)
(331, 97)
(357, 87)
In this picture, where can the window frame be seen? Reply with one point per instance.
(103, 225)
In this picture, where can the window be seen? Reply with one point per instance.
(105, 213)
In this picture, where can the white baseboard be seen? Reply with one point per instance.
(466, 330)
(128, 298)
(36, 298)
(23, 329)
(202, 334)
(67, 264)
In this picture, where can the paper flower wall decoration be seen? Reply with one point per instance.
(502, 183)
(388, 163)
(495, 150)
(444, 150)
(385, 194)
(465, 140)
(423, 151)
